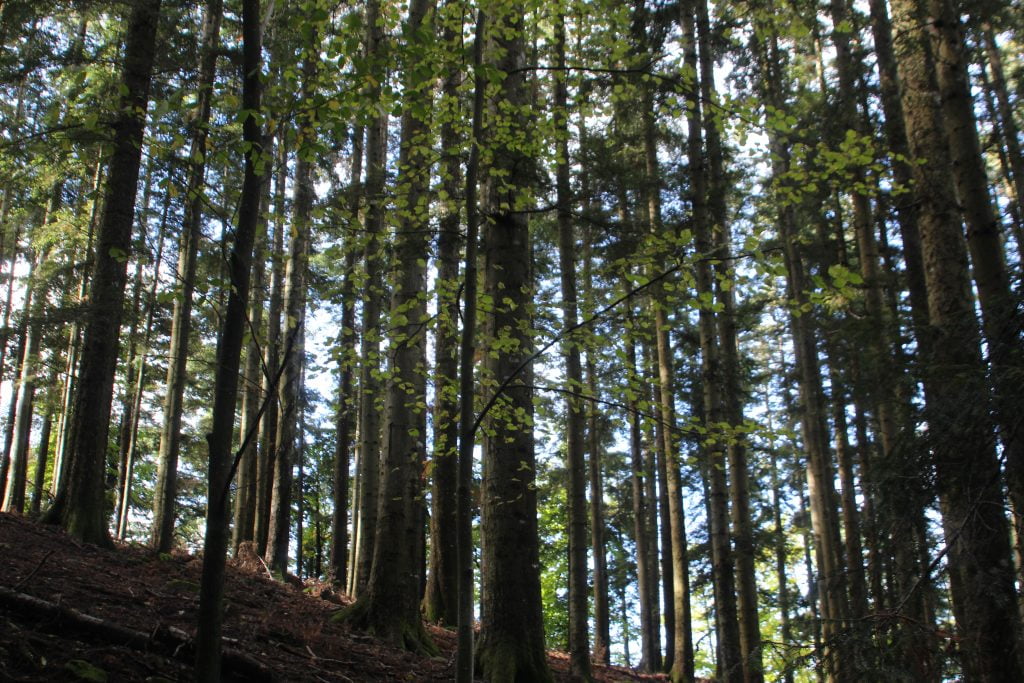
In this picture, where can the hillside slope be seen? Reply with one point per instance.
(72, 612)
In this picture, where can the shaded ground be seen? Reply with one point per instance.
(146, 605)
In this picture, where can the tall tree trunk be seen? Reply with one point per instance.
(79, 506)
(1003, 321)
(42, 456)
(467, 352)
(229, 352)
(820, 477)
(440, 603)
(903, 497)
(650, 643)
(714, 447)
(369, 349)
(266, 456)
(16, 479)
(347, 399)
(164, 499)
(1008, 126)
(290, 390)
(140, 383)
(736, 448)
(74, 347)
(579, 640)
(957, 405)
(389, 606)
(511, 646)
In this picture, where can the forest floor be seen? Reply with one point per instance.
(75, 612)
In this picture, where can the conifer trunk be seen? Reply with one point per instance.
(369, 348)
(511, 645)
(579, 640)
(79, 506)
(229, 352)
(960, 428)
(164, 498)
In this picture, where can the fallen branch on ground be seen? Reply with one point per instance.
(170, 641)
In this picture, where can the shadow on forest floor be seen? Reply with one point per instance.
(72, 612)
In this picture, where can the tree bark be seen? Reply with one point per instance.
(229, 351)
(579, 640)
(164, 498)
(347, 398)
(957, 405)
(440, 603)
(389, 605)
(290, 390)
(374, 292)
(511, 646)
(80, 507)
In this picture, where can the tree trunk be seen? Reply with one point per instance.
(511, 646)
(714, 446)
(266, 456)
(16, 480)
(1002, 319)
(42, 456)
(960, 428)
(389, 605)
(290, 390)
(467, 352)
(579, 640)
(347, 399)
(1008, 127)
(732, 391)
(819, 470)
(80, 507)
(650, 643)
(140, 382)
(229, 352)
(369, 349)
(164, 498)
(440, 604)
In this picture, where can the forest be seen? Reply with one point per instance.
(683, 335)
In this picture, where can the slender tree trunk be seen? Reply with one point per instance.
(1008, 126)
(42, 456)
(80, 507)
(74, 348)
(369, 350)
(140, 382)
(650, 644)
(579, 640)
(467, 352)
(1003, 321)
(903, 497)
(781, 552)
(16, 480)
(164, 499)
(819, 470)
(736, 448)
(229, 352)
(723, 567)
(266, 457)
(440, 603)
(347, 399)
(290, 390)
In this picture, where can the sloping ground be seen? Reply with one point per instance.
(74, 612)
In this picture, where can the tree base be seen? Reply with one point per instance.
(390, 626)
(508, 662)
